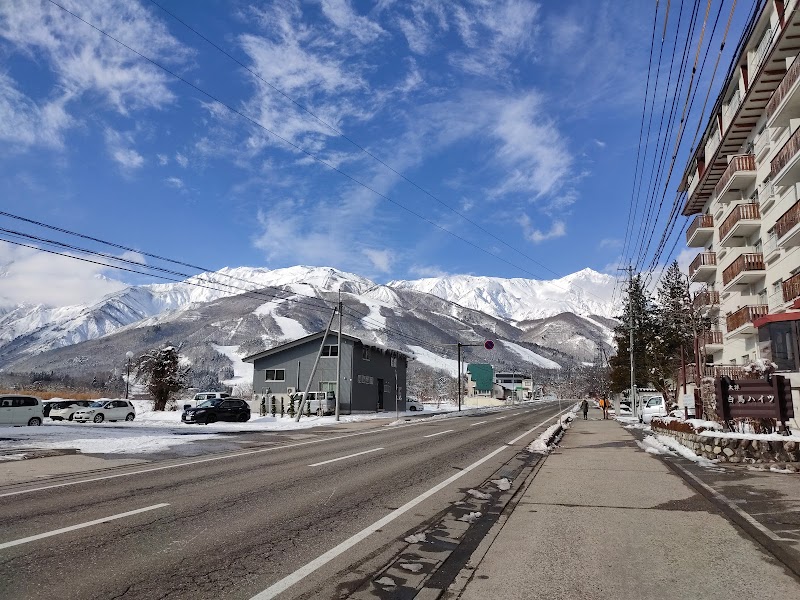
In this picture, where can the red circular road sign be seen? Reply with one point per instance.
(488, 344)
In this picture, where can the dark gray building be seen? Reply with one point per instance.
(373, 377)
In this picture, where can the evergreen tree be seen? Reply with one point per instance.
(291, 405)
(163, 374)
(638, 302)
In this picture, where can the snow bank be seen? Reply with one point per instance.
(551, 436)
(664, 444)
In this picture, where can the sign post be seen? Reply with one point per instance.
(488, 344)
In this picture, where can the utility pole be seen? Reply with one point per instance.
(314, 369)
(339, 356)
(487, 344)
(629, 269)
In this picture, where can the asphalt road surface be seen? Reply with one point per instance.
(310, 518)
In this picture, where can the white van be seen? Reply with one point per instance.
(320, 402)
(20, 410)
(651, 406)
(202, 397)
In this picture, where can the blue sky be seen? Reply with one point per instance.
(522, 116)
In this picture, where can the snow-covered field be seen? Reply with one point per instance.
(154, 431)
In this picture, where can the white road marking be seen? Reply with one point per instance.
(80, 526)
(325, 462)
(201, 460)
(479, 423)
(728, 502)
(306, 570)
(498, 418)
(440, 433)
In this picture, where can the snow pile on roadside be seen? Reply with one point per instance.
(761, 437)
(552, 435)
(664, 444)
(471, 517)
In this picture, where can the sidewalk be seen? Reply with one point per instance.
(604, 519)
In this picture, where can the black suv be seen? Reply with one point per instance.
(218, 409)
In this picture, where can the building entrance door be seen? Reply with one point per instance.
(380, 394)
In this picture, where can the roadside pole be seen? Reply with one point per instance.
(314, 369)
(634, 407)
(339, 355)
(488, 344)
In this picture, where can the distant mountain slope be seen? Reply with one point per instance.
(586, 292)
(576, 335)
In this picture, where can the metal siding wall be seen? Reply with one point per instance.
(365, 396)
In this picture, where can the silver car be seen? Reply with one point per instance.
(66, 409)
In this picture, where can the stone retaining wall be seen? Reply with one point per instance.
(737, 450)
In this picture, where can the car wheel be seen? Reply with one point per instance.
(130, 417)
(98, 418)
(70, 417)
(211, 419)
(243, 418)
(414, 408)
(35, 422)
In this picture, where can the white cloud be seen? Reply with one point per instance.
(175, 182)
(181, 160)
(381, 259)
(612, 243)
(163, 159)
(341, 14)
(24, 122)
(30, 276)
(427, 271)
(599, 143)
(120, 147)
(558, 229)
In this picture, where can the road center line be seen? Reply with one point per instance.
(80, 526)
(306, 570)
(325, 462)
(440, 433)
(479, 423)
(498, 418)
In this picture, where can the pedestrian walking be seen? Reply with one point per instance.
(604, 406)
(585, 408)
(263, 407)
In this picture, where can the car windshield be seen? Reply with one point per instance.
(209, 403)
(97, 404)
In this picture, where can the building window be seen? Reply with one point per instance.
(365, 353)
(275, 375)
(327, 386)
(366, 379)
(330, 350)
(393, 361)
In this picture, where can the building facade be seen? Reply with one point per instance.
(373, 377)
(743, 194)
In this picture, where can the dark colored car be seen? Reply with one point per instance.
(218, 409)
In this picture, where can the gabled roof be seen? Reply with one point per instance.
(318, 335)
(482, 375)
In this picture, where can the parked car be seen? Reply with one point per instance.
(47, 405)
(320, 402)
(66, 409)
(20, 410)
(199, 397)
(106, 410)
(651, 406)
(412, 404)
(218, 409)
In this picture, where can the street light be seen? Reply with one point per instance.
(129, 356)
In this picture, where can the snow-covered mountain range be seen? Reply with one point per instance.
(254, 308)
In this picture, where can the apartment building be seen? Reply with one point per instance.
(743, 192)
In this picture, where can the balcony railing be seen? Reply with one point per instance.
(699, 221)
(791, 288)
(742, 162)
(712, 142)
(783, 89)
(745, 262)
(743, 211)
(706, 298)
(704, 259)
(733, 106)
(785, 154)
(746, 314)
(788, 220)
(710, 337)
(762, 50)
(715, 371)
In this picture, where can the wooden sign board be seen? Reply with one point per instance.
(754, 398)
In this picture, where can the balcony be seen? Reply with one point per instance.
(785, 168)
(771, 248)
(740, 173)
(706, 299)
(762, 145)
(747, 268)
(711, 340)
(744, 220)
(767, 196)
(784, 102)
(787, 227)
(729, 110)
(791, 288)
(703, 267)
(700, 231)
(731, 371)
(741, 321)
(762, 50)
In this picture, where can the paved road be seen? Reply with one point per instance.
(232, 525)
